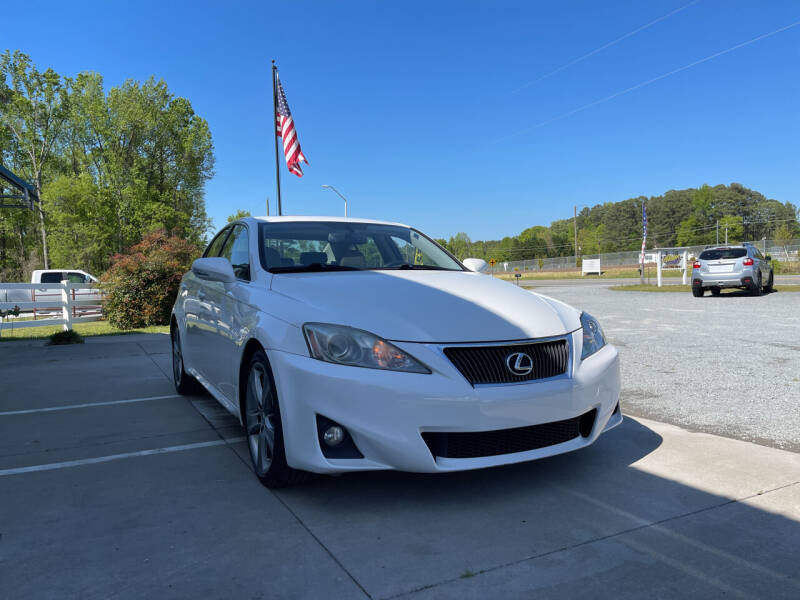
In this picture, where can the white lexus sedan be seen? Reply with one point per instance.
(351, 344)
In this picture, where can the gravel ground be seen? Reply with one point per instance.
(728, 365)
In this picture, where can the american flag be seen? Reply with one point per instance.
(644, 232)
(285, 126)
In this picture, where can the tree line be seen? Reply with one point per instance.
(109, 166)
(694, 216)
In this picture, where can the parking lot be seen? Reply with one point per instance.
(111, 486)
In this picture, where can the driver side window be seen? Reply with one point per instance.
(237, 250)
(216, 244)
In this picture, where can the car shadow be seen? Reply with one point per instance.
(539, 526)
(736, 293)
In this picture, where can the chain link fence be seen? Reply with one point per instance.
(784, 253)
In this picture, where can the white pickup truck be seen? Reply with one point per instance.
(52, 276)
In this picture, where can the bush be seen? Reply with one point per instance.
(785, 268)
(142, 284)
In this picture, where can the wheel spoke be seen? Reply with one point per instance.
(263, 459)
(253, 427)
(258, 388)
(269, 436)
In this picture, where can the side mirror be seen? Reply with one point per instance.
(768, 257)
(476, 264)
(214, 269)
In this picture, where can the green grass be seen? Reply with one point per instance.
(651, 288)
(85, 329)
(688, 288)
(610, 273)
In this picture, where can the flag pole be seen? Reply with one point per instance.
(275, 132)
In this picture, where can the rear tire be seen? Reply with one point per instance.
(755, 287)
(261, 418)
(770, 283)
(697, 292)
(185, 384)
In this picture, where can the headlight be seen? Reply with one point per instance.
(593, 338)
(347, 346)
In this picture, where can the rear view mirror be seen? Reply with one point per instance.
(214, 269)
(347, 237)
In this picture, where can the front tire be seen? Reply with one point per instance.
(261, 418)
(715, 291)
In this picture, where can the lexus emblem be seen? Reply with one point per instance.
(519, 363)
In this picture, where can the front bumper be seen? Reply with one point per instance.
(386, 412)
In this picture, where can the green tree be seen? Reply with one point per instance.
(35, 110)
(459, 245)
(783, 237)
(239, 214)
(732, 228)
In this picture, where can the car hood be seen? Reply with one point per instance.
(423, 306)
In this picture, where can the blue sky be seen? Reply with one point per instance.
(414, 110)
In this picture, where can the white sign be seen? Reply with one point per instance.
(590, 265)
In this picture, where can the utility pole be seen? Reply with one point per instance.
(575, 230)
(717, 232)
(641, 256)
(726, 234)
(267, 205)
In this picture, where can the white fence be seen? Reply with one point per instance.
(62, 303)
(630, 258)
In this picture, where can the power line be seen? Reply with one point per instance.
(653, 234)
(648, 82)
(603, 47)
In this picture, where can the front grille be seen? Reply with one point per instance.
(508, 441)
(487, 364)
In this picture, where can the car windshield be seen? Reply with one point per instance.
(316, 246)
(723, 253)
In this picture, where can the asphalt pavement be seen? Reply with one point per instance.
(111, 486)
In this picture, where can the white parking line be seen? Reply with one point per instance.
(90, 404)
(102, 459)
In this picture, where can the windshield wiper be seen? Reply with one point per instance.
(409, 267)
(312, 268)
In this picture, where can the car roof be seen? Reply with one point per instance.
(727, 247)
(313, 219)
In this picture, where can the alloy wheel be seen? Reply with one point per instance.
(260, 418)
(177, 359)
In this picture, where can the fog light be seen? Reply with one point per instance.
(333, 436)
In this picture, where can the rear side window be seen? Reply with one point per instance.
(727, 253)
(52, 277)
(76, 277)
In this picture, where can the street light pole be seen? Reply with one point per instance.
(330, 187)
